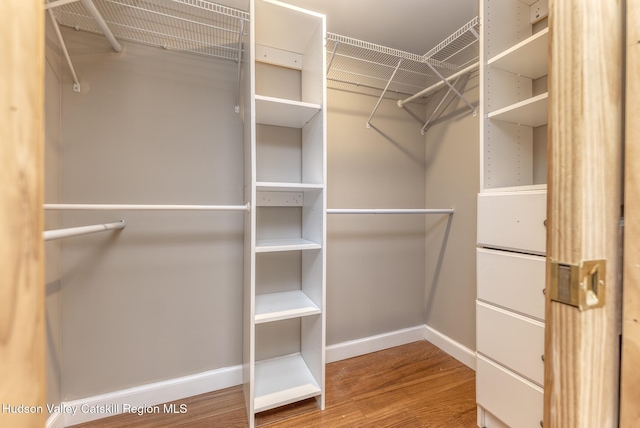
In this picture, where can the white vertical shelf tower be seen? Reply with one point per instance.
(285, 167)
(511, 214)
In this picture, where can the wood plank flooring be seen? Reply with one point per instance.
(414, 385)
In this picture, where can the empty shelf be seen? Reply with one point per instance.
(264, 186)
(289, 244)
(281, 112)
(528, 58)
(530, 112)
(524, 188)
(285, 305)
(282, 381)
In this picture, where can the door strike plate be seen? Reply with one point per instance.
(582, 286)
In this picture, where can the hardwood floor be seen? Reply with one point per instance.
(414, 385)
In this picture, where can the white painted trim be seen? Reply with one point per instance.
(457, 350)
(151, 394)
(55, 420)
(357, 347)
(157, 393)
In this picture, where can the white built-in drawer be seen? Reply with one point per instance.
(515, 341)
(513, 220)
(511, 280)
(516, 401)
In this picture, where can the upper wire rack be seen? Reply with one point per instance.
(196, 26)
(372, 66)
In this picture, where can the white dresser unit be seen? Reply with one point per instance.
(285, 167)
(511, 214)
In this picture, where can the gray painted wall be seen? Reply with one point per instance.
(163, 297)
(375, 263)
(452, 180)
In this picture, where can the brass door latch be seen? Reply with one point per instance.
(582, 286)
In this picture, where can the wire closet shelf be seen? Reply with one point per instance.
(196, 26)
(355, 62)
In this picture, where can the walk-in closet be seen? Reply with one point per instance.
(285, 213)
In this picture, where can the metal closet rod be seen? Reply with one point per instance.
(389, 211)
(50, 235)
(137, 207)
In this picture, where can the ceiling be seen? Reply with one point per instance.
(413, 26)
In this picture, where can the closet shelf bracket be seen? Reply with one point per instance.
(383, 92)
(431, 89)
(455, 91)
(99, 20)
(239, 61)
(435, 110)
(333, 55)
(93, 11)
(63, 46)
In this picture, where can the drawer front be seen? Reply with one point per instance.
(513, 220)
(513, 281)
(514, 341)
(512, 399)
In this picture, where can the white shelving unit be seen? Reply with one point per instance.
(285, 164)
(511, 216)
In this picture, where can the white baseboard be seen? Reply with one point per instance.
(55, 420)
(153, 394)
(355, 348)
(457, 350)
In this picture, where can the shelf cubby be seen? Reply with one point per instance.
(283, 380)
(291, 155)
(282, 112)
(530, 112)
(284, 305)
(527, 58)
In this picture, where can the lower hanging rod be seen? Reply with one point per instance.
(389, 211)
(50, 235)
(124, 207)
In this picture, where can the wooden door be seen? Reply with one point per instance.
(584, 208)
(22, 380)
(630, 377)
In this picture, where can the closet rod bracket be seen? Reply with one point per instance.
(239, 60)
(333, 55)
(423, 130)
(455, 91)
(63, 47)
(383, 92)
